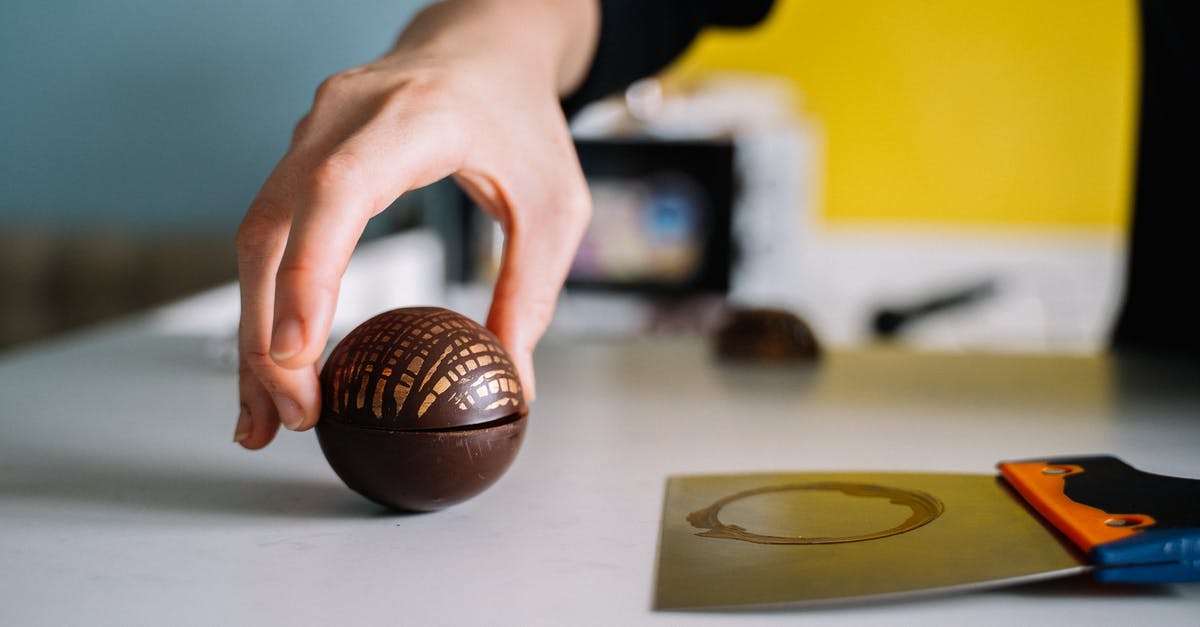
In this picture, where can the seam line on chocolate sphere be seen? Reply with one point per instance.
(471, 427)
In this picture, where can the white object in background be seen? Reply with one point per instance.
(400, 270)
(777, 161)
(774, 216)
(1055, 292)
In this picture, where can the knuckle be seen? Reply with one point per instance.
(335, 86)
(425, 93)
(301, 128)
(401, 98)
(257, 230)
(566, 214)
(420, 83)
(311, 277)
(258, 369)
(578, 205)
(424, 102)
(256, 363)
(336, 171)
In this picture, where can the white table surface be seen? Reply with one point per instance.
(123, 501)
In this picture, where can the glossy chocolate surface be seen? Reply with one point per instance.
(420, 368)
(421, 408)
(420, 470)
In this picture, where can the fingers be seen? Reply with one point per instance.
(268, 393)
(326, 226)
(356, 152)
(258, 420)
(342, 191)
(293, 248)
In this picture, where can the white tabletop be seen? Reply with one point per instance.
(123, 501)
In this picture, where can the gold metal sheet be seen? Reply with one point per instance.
(795, 539)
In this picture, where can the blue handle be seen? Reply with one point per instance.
(1153, 556)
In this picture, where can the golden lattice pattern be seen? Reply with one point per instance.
(423, 368)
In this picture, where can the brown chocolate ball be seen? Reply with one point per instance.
(421, 408)
(766, 336)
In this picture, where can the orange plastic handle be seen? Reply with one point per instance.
(1042, 485)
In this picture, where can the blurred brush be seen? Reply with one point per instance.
(889, 321)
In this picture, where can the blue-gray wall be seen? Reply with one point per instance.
(152, 115)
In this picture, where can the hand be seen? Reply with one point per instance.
(466, 92)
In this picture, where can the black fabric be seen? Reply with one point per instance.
(1161, 274)
(640, 37)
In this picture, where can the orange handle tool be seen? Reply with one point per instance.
(1134, 526)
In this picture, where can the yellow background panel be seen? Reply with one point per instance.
(1018, 112)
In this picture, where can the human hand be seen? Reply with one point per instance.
(466, 92)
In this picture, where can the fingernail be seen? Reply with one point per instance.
(243, 426)
(287, 339)
(289, 412)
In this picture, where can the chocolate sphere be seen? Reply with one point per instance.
(766, 336)
(421, 408)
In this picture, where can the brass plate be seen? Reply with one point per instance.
(793, 539)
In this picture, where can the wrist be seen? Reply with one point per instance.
(552, 41)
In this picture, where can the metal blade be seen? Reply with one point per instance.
(799, 539)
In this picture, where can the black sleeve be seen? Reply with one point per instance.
(1162, 266)
(640, 37)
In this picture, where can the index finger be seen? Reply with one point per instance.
(341, 192)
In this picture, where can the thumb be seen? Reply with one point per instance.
(539, 245)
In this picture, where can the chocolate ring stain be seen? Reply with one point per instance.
(924, 508)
